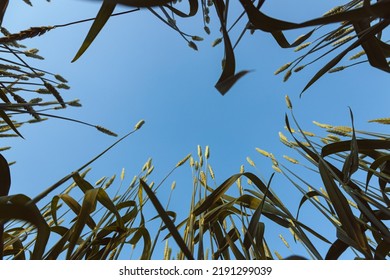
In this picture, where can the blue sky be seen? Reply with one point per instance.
(138, 68)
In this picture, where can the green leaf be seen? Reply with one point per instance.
(228, 77)
(142, 232)
(3, 8)
(168, 222)
(348, 221)
(102, 17)
(336, 250)
(351, 164)
(19, 207)
(254, 222)
(88, 206)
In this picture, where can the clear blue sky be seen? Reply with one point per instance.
(138, 68)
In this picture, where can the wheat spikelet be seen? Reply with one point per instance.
(201, 161)
(333, 138)
(287, 76)
(200, 151)
(60, 78)
(282, 137)
(357, 55)
(299, 68)
(144, 167)
(148, 163)
(284, 241)
(308, 133)
(335, 10)
(203, 179)
(35, 100)
(180, 163)
(278, 255)
(277, 169)
(336, 69)
(5, 128)
(4, 149)
(291, 159)
(212, 175)
(105, 131)
(197, 38)
(250, 161)
(340, 130)
(302, 46)
(342, 40)
(322, 125)
(173, 186)
(207, 152)
(249, 182)
(216, 42)
(242, 169)
(283, 68)
(288, 102)
(9, 67)
(98, 182)
(110, 181)
(29, 33)
(33, 55)
(139, 124)
(75, 103)
(55, 93)
(291, 129)
(192, 162)
(123, 174)
(63, 86)
(381, 120)
(207, 30)
(150, 170)
(192, 45)
(263, 152)
(37, 120)
(339, 33)
(166, 251)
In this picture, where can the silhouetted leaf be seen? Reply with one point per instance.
(5, 178)
(102, 17)
(19, 207)
(167, 221)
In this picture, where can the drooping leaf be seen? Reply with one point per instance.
(19, 207)
(348, 221)
(351, 164)
(3, 8)
(167, 221)
(228, 77)
(254, 222)
(336, 250)
(102, 17)
(5, 178)
(88, 206)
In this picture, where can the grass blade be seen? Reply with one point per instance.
(168, 222)
(102, 17)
